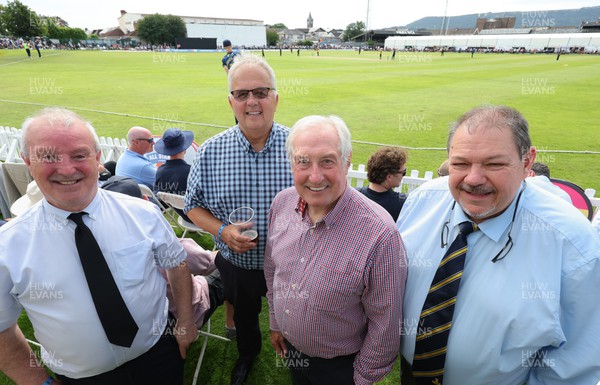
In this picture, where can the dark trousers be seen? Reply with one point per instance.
(244, 289)
(161, 365)
(406, 377)
(215, 293)
(306, 370)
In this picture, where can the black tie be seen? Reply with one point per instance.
(436, 318)
(118, 324)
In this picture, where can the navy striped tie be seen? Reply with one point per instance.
(436, 318)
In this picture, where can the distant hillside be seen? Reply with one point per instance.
(556, 18)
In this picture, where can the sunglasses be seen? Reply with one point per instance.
(259, 93)
(403, 172)
(151, 140)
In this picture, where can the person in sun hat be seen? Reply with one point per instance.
(31, 197)
(172, 176)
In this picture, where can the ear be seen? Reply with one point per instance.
(528, 159)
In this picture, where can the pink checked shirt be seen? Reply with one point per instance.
(335, 288)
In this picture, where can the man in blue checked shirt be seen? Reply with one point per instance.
(243, 166)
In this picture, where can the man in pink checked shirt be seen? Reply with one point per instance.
(335, 266)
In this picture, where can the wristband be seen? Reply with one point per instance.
(48, 381)
(221, 231)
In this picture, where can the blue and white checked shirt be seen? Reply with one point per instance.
(227, 173)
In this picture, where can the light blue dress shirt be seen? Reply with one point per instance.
(136, 166)
(542, 298)
(40, 272)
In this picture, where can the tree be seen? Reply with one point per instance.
(19, 20)
(279, 26)
(161, 29)
(272, 37)
(353, 30)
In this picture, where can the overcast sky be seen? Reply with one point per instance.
(326, 14)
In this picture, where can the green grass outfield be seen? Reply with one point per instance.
(408, 102)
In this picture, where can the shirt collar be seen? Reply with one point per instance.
(62, 215)
(246, 143)
(331, 217)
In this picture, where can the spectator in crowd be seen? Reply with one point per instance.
(132, 162)
(334, 288)
(172, 176)
(443, 169)
(229, 57)
(539, 175)
(538, 260)
(103, 174)
(243, 166)
(385, 170)
(93, 231)
(111, 167)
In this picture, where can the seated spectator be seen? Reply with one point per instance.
(443, 169)
(124, 185)
(172, 176)
(540, 176)
(111, 166)
(385, 170)
(133, 163)
(103, 174)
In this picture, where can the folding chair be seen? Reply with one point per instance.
(165, 209)
(177, 201)
(205, 335)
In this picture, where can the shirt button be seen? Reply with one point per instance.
(293, 285)
(287, 311)
(301, 260)
(286, 333)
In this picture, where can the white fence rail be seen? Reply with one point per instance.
(112, 148)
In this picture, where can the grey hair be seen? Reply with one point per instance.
(248, 59)
(345, 139)
(498, 117)
(55, 116)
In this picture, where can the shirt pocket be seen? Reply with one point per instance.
(336, 289)
(132, 261)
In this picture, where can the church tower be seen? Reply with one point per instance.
(309, 21)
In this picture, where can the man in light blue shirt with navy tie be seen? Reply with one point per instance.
(526, 309)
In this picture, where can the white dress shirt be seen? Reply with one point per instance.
(40, 271)
(540, 298)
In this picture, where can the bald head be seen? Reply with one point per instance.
(139, 140)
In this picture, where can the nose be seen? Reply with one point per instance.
(316, 175)
(66, 166)
(475, 175)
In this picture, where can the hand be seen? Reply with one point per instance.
(185, 334)
(278, 343)
(236, 241)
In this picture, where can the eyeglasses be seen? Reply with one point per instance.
(151, 140)
(403, 172)
(259, 93)
(509, 242)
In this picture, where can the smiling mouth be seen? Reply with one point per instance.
(316, 189)
(254, 113)
(67, 182)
